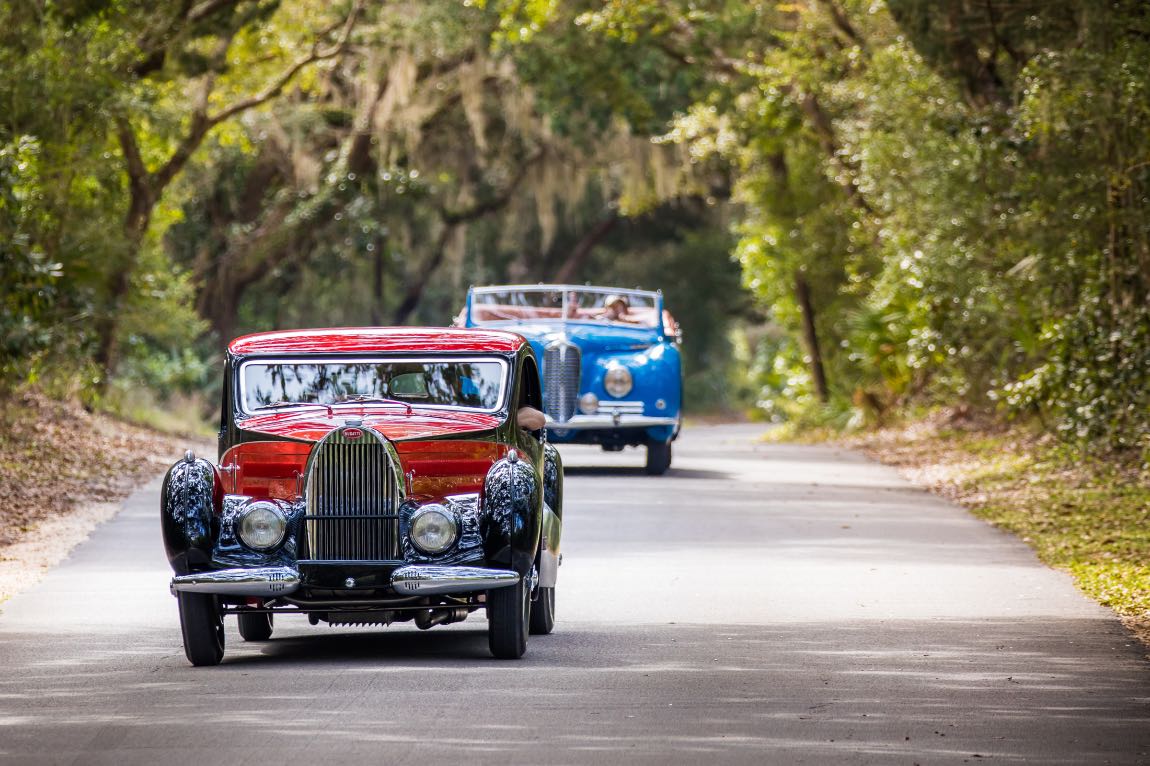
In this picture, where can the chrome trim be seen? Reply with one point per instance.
(428, 580)
(588, 422)
(617, 406)
(562, 369)
(541, 287)
(264, 581)
(266, 360)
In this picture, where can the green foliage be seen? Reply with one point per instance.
(962, 187)
(28, 280)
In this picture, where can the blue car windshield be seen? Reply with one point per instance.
(472, 383)
(499, 305)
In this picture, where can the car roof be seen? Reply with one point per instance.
(358, 340)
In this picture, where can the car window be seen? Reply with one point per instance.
(473, 383)
(595, 305)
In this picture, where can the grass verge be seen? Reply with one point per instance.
(1089, 517)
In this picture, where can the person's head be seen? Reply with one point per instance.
(616, 306)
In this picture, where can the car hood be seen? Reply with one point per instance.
(590, 337)
(313, 423)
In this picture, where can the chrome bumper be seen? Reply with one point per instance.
(430, 580)
(413, 580)
(609, 420)
(265, 581)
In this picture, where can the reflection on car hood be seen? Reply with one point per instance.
(590, 337)
(313, 423)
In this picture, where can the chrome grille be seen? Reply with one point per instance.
(561, 362)
(352, 499)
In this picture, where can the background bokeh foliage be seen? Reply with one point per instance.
(854, 208)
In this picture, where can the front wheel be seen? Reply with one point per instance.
(256, 626)
(508, 614)
(202, 625)
(658, 458)
(543, 612)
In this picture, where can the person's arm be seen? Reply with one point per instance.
(531, 418)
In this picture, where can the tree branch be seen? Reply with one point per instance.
(279, 83)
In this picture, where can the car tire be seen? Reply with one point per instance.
(658, 458)
(256, 626)
(202, 625)
(508, 615)
(543, 612)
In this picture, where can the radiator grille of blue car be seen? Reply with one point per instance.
(353, 494)
(561, 363)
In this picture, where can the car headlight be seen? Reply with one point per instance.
(261, 525)
(618, 381)
(588, 404)
(433, 529)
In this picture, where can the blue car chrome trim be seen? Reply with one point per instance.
(604, 420)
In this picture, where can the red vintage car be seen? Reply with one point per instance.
(370, 476)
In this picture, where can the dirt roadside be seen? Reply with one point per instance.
(64, 471)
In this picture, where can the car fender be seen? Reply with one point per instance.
(512, 517)
(189, 513)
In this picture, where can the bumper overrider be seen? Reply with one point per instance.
(409, 580)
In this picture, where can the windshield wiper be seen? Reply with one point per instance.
(281, 404)
(365, 399)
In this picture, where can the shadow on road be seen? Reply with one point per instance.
(937, 691)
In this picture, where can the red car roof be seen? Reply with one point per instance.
(352, 340)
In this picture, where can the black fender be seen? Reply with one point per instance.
(189, 513)
(511, 518)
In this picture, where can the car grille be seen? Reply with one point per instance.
(561, 361)
(353, 494)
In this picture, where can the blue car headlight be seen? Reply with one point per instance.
(618, 381)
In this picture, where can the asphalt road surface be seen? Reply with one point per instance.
(759, 604)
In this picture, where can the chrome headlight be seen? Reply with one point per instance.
(261, 525)
(588, 404)
(433, 529)
(617, 381)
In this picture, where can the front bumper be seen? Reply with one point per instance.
(604, 420)
(409, 580)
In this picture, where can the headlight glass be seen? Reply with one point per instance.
(618, 381)
(433, 529)
(262, 525)
(588, 404)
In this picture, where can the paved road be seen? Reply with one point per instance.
(759, 604)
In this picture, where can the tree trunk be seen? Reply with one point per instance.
(377, 281)
(810, 334)
(579, 254)
(107, 328)
(414, 293)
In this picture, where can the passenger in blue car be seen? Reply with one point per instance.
(615, 309)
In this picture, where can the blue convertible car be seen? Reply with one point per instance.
(611, 367)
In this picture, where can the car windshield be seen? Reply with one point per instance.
(500, 305)
(473, 383)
